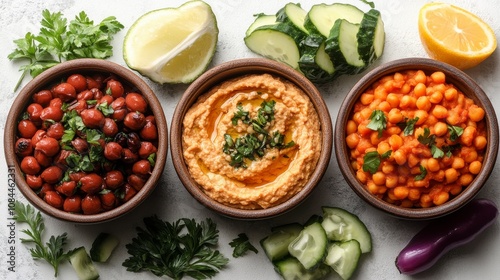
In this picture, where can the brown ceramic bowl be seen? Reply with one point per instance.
(454, 76)
(217, 75)
(54, 75)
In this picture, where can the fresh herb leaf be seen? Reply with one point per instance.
(179, 249)
(93, 136)
(436, 152)
(372, 160)
(427, 138)
(241, 245)
(378, 122)
(152, 159)
(52, 251)
(410, 126)
(58, 41)
(423, 173)
(240, 114)
(455, 132)
(106, 109)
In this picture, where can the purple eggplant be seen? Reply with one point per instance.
(443, 234)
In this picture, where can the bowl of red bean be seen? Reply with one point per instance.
(87, 141)
(416, 138)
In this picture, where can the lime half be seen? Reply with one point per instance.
(172, 45)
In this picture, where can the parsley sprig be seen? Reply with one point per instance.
(53, 250)
(253, 145)
(372, 160)
(423, 173)
(430, 140)
(58, 41)
(241, 245)
(378, 122)
(182, 248)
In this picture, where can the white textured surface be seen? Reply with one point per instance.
(170, 201)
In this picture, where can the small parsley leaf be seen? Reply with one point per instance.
(378, 122)
(372, 160)
(410, 126)
(241, 245)
(423, 173)
(455, 132)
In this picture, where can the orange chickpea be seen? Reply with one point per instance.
(468, 135)
(394, 116)
(451, 94)
(352, 140)
(352, 127)
(420, 77)
(476, 113)
(407, 102)
(395, 141)
(436, 97)
(440, 198)
(420, 90)
(440, 129)
(393, 99)
(438, 77)
(451, 175)
(401, 192)
(433, 165)
(439, 112)
(465, 179)
(379, 178)
(475, 167)
(480, 142)
(366, 98)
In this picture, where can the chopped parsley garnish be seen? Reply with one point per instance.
(423, 173)
(253, 145)
(430, 140)
(455, 132)
(378, 122)
(105, 108)
(372, 160)
(410, 126)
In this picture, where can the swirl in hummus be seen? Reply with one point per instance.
(267, 178)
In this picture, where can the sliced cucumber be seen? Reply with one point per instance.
(310, 246)
(103, 246)
(294, 14)
(371, 36)
(342, 46)
(343, 257)
(261, 20)
(322, 17)
(291, 269)
(82, 264)
(341, 225)
(278, 42)
(314, 62)
(276, 244)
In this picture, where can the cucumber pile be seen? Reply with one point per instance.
(328, 41)
(334, 241)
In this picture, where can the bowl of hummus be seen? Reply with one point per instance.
(251, 138)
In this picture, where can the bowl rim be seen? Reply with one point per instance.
(453, 75)
(43, 81)
(237, 68)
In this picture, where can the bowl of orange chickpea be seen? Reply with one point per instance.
(86, 141)
(416, 138)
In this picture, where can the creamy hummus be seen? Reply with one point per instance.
(266, 180)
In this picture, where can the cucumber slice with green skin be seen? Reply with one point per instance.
(341, 225)
(342, 46)
(261, 20)
(343, 257)
(103, 246)
(293, 14)
(310, 246)
(291, 269)
(322, 17)
(276, 244)
(82, 264)
(371, 36)
(315, 63)
(279, 42)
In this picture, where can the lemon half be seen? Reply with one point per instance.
(172, 45)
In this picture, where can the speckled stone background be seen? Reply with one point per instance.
(171, 201)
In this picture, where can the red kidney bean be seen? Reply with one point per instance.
(149, 131)
(76, 176)
(92, 118)
(42, 158)
(113, 151)
(56, 102)
(39, 134)
(43, 97)
(134, 120)
(142, 167)
(46, 187)
(56, 131)
(121, 138)
(26, 128)
(91, 204)
(52, 174)
(54, 199)
(109, 128)
(73, 204)
(135, 102)
(91, 183)
(129, 192)
(128, 156)
(108, 200)
(34, 112)
(65, 91)
(146, 149)
(78, 106)
(60, 159)
(30, 165)
(115, 88)
(66, 188)
(114, 179)
(136, 181)
(80, 145)
(133, 142)
(85, 95)
(23, 147)
(78, 81)
(33, 181)
(52, 113)
(94, 82)
(48, 145)
(98, 94)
